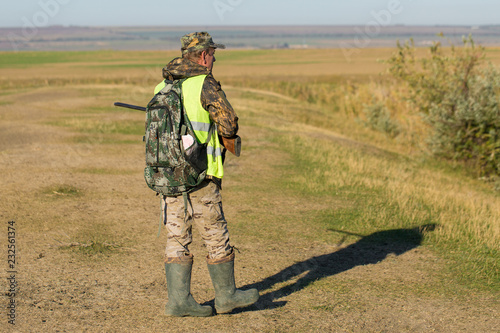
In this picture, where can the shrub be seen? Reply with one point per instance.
(379, 118)
(458, 96)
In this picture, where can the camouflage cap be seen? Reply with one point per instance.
(198, 41)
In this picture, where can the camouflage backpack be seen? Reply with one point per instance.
(175, 161)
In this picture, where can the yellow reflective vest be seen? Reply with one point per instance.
(200, 120)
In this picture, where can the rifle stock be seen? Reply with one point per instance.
(232, 144)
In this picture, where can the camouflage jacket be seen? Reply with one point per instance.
(213, 99)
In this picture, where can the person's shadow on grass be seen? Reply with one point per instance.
(369, 249)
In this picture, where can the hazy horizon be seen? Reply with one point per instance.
(92, 13)
(254, 25)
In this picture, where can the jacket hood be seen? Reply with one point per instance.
(181, 68)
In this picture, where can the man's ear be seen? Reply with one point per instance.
(202, 59)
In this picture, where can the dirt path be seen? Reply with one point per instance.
(89, 260)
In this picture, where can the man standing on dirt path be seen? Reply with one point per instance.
(205, 103)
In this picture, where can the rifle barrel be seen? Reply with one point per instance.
(129, 106)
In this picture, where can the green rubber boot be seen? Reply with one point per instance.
(180, 301)
(227, 297)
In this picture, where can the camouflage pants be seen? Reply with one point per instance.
(204, 209)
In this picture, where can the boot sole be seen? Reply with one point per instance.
(229, 309)
(183, 314)
(173, 313)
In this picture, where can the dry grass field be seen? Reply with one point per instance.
(342, 229)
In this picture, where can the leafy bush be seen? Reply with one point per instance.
(379, 118)
(458, 95)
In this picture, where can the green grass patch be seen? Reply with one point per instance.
(476, 267)
(93, 241)
(37, 58)
(91, 248)
(31, 59)
(62, 190)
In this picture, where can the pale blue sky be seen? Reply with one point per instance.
(247, 12)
